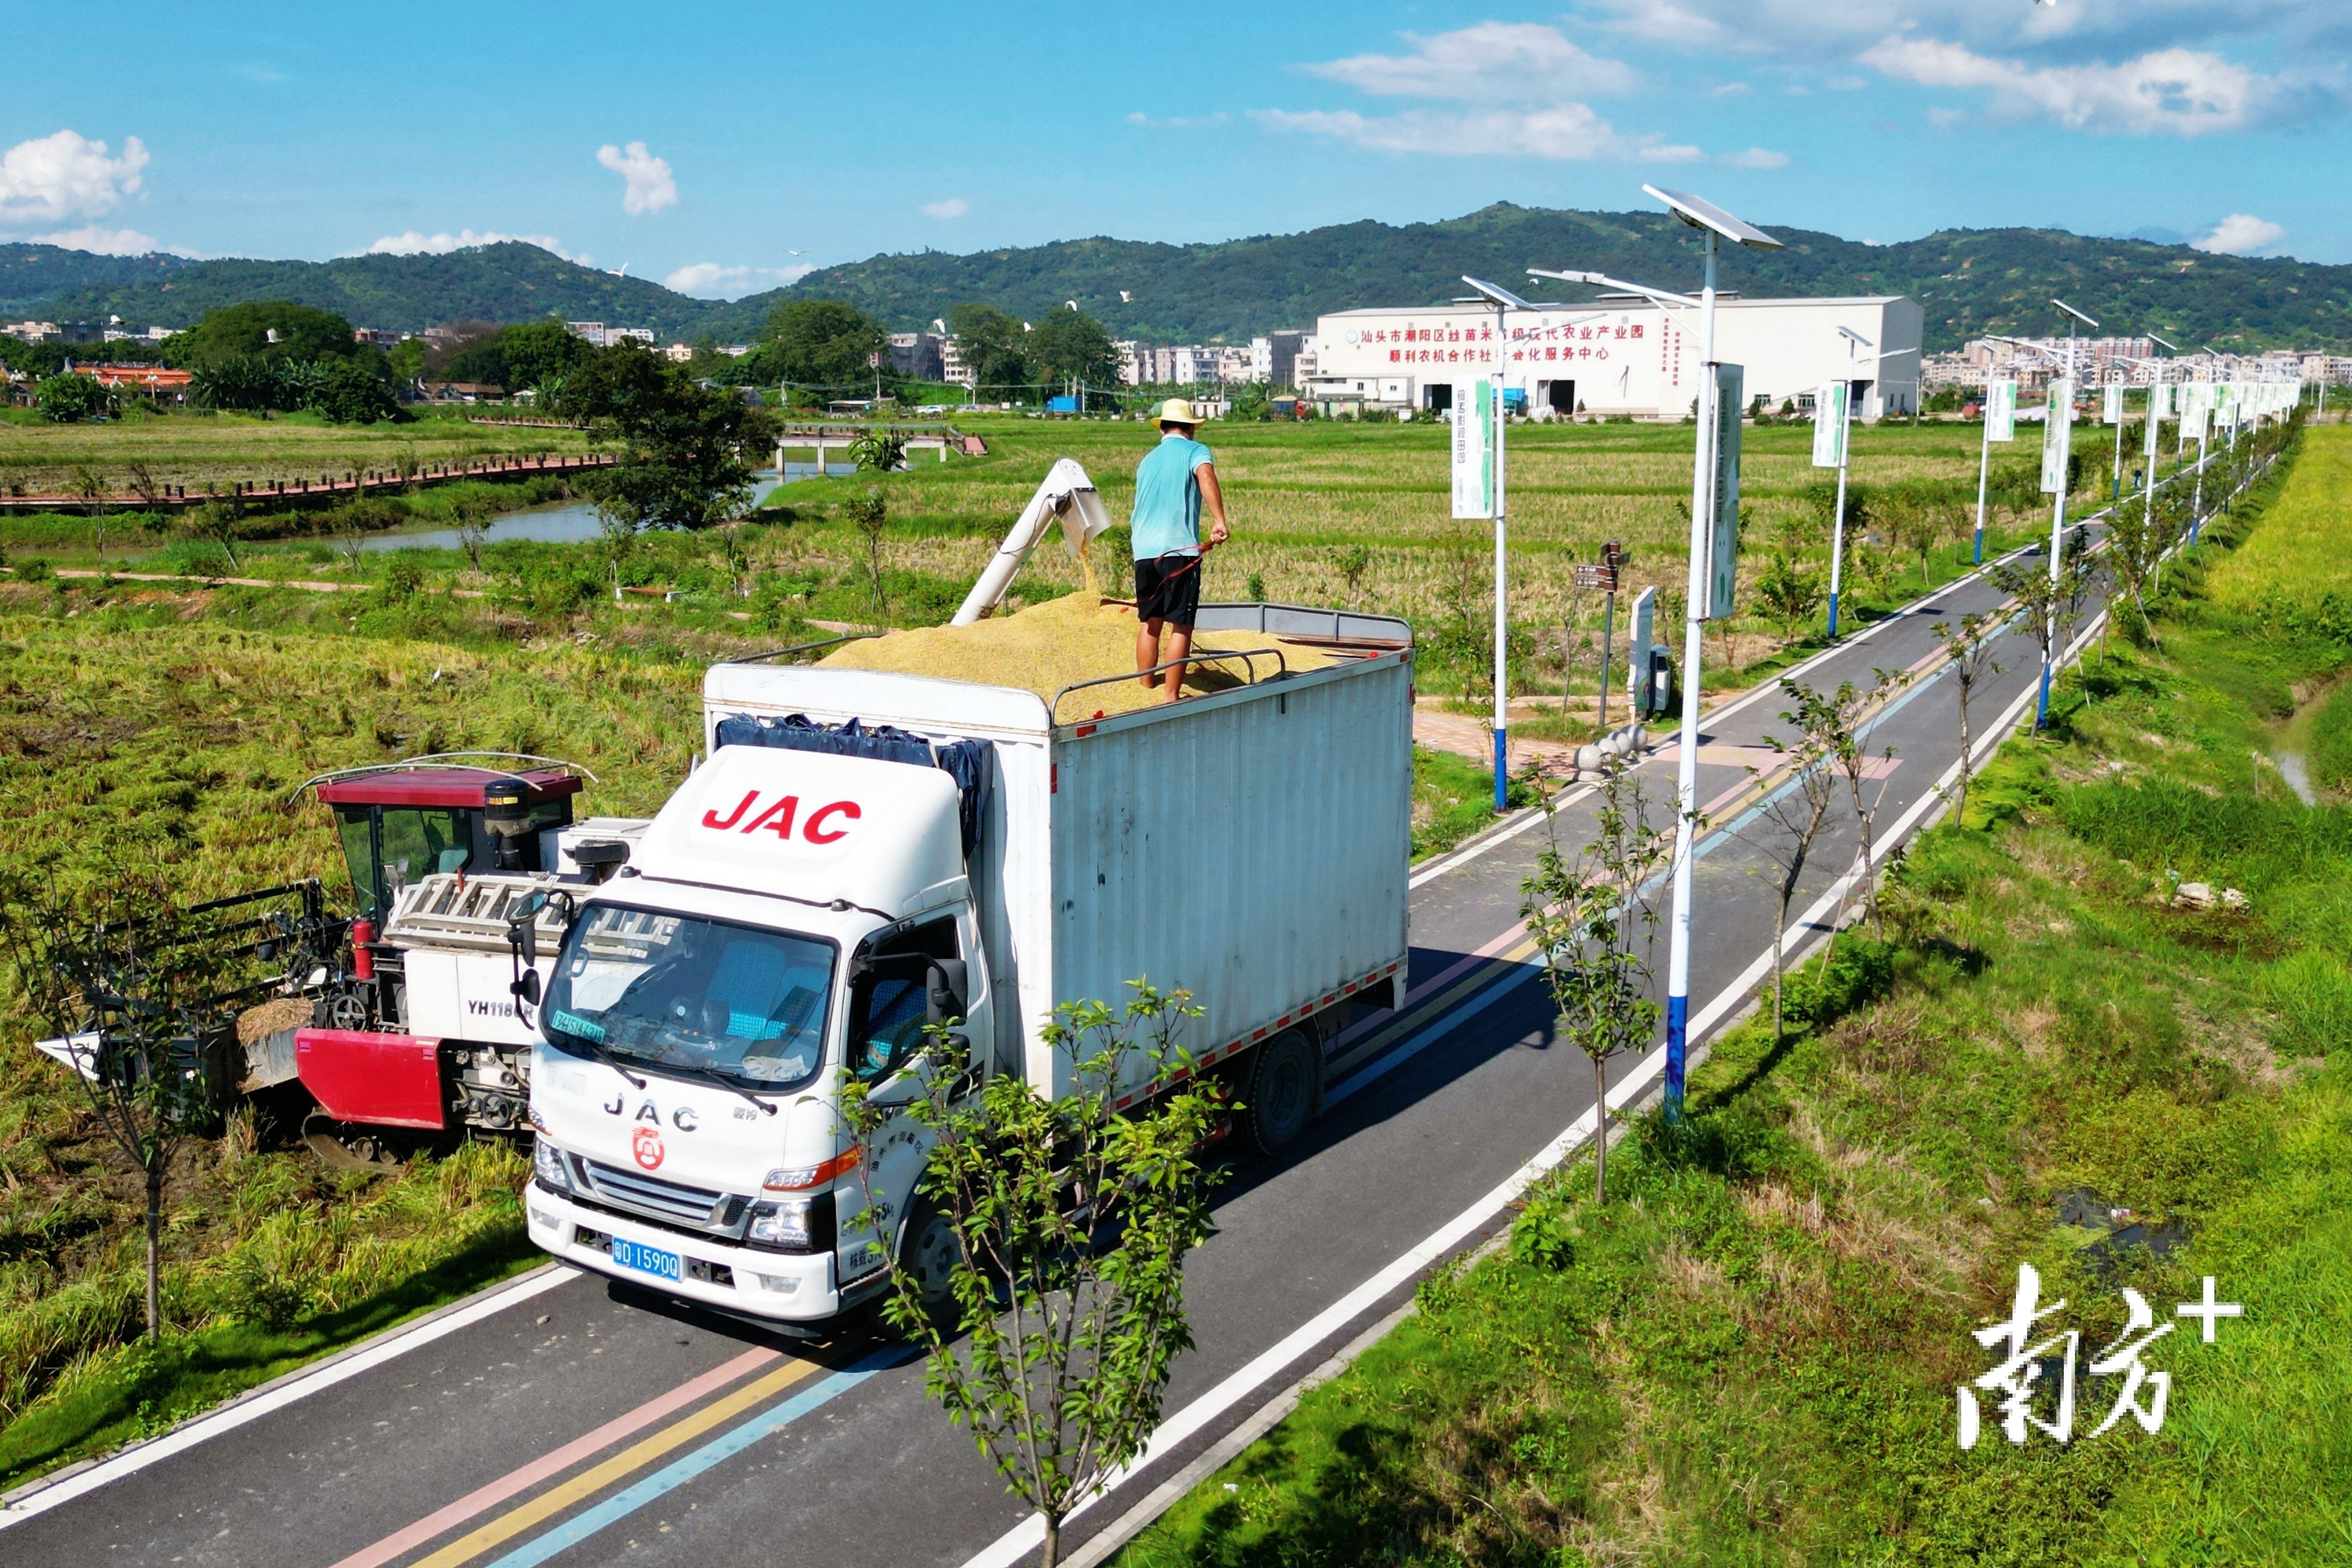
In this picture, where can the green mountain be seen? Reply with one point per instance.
(1968, 281)
(507, 282)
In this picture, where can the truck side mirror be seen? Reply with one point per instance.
(945, 985)
(527, 987)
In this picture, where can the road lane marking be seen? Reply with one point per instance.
(550, 1465)
(299, 1385)
(719, 1449)
(588, 1483)
(1016, 1545)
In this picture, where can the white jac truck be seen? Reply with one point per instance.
(865, 853)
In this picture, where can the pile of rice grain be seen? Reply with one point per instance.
(1050, 645)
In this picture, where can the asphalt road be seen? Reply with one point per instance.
(574, 1423)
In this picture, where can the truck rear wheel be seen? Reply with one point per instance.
(1279, 1097)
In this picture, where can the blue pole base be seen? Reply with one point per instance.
(1502, 770)
(1980, 559)
(1677, 1052)
(1833, 599)
(2042, 703)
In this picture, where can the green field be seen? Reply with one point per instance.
(1330, 512)
(1749, 1354)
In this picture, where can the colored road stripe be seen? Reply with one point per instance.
(655, 1487)
(548, 1466)
(589, 1482)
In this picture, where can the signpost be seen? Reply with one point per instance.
(1603, 578)
(1999, 425)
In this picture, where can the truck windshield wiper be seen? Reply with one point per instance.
(603, 1053)
(713, 1077)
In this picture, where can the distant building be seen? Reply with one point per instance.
(377, 337)
(1612, 357)
(604, 337)
(32, 332)
(461, 391)
(677, 353)
(919, 355)
(147, 380)
(953, 369)
(1273, 358)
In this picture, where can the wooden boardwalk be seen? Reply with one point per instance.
(328, 487)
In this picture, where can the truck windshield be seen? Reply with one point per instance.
(680, 991)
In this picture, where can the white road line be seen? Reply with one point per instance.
(1015, 1544)
(298, 1386)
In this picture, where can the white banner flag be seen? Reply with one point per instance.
(2000, 411)
(2057, 435)
(1723, 550)
(1829, 424)
(1474, 451)
(2111, 406)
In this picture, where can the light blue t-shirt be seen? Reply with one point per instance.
(1167, 519)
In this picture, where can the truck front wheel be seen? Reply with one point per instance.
(928, 1254)
(1279, 1099)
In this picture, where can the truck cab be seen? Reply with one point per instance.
(791, 921)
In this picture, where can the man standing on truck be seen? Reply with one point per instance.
(1170, 483)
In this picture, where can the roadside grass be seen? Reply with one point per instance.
(1750, 1353)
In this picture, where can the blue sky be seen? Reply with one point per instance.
(727, 148)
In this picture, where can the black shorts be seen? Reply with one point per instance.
(1168, 589)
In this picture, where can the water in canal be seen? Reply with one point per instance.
(570, 522)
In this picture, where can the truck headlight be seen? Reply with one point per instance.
(793, 1225)
(548, 1160)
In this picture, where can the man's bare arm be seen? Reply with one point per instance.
(1214, 498)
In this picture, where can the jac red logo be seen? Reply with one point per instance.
(816, 828)
(646, 1146)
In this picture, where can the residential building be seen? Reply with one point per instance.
(678, 353)
(604, 337)
(953, 369)
(918, 355)
(1616, 358)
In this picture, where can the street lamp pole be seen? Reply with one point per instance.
(1504, 302)
(1716, 225)
(2065, 411)
(1845, 436)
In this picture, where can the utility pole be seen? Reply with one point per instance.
(2062, 408)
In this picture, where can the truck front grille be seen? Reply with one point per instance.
(635, 1190)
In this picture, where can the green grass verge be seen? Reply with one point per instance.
(1748, 1354)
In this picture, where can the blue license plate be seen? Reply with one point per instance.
(645, 1259)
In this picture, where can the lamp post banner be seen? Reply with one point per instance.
(2000, 411)
(1829, 424)
(2111, 406)
(1723, 548)
(2159, 402)
(1637, 657)
(2057, 435)
(1474, 451)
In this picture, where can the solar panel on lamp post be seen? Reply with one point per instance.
(1716, 225)
(1504, 301)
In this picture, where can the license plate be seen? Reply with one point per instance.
(645, 1259)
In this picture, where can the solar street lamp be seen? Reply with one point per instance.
(2056, 445)
(1716, 225)
(1853, 340)
(1504, 301)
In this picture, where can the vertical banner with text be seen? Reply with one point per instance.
(1474, 451)
(2111, 406)
(1723, 495)
(1829, 424)
(2000, 411)
(2057, 435)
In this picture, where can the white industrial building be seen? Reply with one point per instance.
(1618, 357)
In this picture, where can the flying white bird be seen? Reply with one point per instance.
(795, 253)
(1125, 298)
(1073, 304)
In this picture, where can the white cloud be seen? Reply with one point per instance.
(1509, 62)
(63, 176)
(2239, 234)
(711, 280)
(2071, 30)
(2179, 92)
(103, 241)
(414, 243)
(650, 185)
(953, 207)
(1569, 132)
(1757, 158)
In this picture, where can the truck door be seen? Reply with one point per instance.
(889, 1008)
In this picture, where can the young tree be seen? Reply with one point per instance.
(1968, 650)
(878, 451)
(138, 1001)
(1797, 814)
(213, 523)
(1051, 1236)
(1594, 923)
(2048, 607)
(685, 463)
(473, 520)
(1788, 593)
(1840, 724)
(1353, 561)
(870, 515)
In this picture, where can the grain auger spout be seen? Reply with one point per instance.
(1067, 495)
